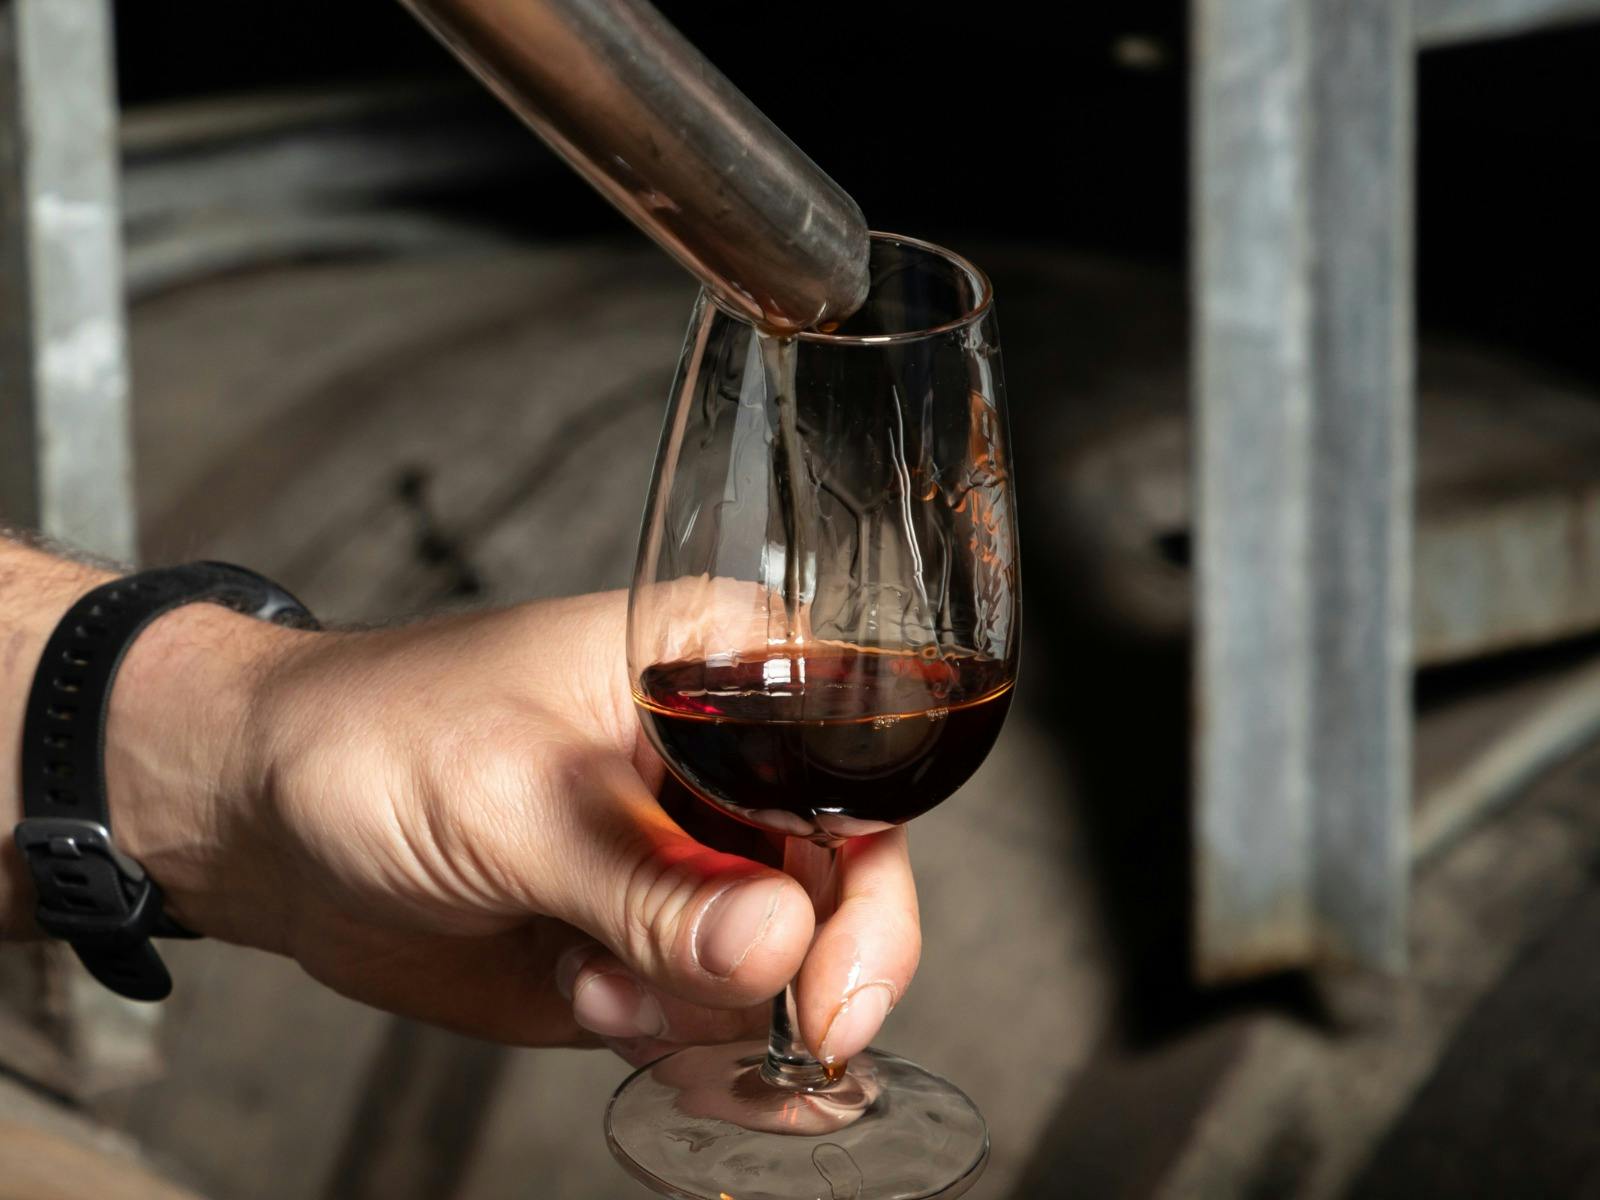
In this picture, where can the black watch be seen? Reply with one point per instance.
(90, 893)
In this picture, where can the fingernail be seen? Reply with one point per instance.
(732, 925)
(568, 966)
(614, 1005)
(857, 1021)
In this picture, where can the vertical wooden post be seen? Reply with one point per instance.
(65, 457)
(1303, 337)
(414, 1132)
(64, 447)
(1364, 346)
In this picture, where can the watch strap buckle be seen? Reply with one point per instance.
(99, 899)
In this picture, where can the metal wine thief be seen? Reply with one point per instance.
(663, 135)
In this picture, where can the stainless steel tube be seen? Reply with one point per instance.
(663, 135)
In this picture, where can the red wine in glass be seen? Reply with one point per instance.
(841, 737)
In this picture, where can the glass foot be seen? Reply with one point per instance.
(705, 1124)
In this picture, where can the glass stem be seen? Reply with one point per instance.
(789, 1064)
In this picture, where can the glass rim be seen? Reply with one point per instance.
(978, 310)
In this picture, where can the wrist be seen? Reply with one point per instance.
(184, 772)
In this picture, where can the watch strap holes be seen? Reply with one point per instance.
(99, 900)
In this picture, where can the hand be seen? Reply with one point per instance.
(461, 821)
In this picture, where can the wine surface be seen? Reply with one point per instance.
(831, 742)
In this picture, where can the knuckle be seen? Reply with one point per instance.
(656, 892)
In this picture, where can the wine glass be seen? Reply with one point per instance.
(822, 640)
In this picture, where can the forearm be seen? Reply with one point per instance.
(175, 736)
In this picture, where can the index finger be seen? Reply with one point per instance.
(864, 956)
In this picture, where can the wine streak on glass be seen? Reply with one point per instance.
(823, 637)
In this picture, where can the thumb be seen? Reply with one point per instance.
(696, 923)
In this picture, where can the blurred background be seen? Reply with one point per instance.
(383, 345)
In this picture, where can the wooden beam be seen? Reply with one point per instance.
(51, 1150)
(1442, 22)
(1303, 481)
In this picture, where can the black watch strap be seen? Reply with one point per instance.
(90, 893)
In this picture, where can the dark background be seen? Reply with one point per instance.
(953, 121)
